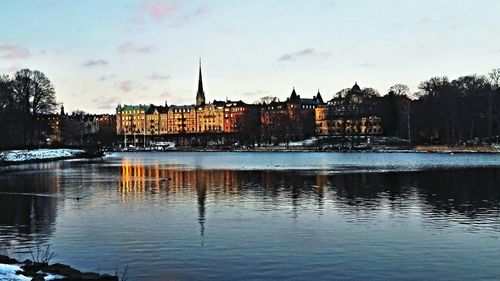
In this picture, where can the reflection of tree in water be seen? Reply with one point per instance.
(27, 208)
(473, 193)
(468, 193)
(370, 191)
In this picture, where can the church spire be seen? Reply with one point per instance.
(200, 95)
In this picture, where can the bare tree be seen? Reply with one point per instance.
(6, 92)
(267, 100)
(368, 93)
(494, 76)
(399, 90)
(34, 94)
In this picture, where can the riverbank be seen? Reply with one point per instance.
(457, 149)
(378, 149)
(14, 270)
(10, 157)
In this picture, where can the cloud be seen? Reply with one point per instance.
(158, 77)
(309, 52)
(129, 47)
(126, 86)
(173, 13)
(107, 77)
(160, 10)
(106, 103)
(94, 62)
(11, 51)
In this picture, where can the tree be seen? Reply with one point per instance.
(6, 92)
(399, 90)
(494, 77)
(433, 87)
(342, 93)
(34, 92)
(34, 95)
(7, 112)
(431, 109)
(267, 100)
(78, 113)
(369, 93)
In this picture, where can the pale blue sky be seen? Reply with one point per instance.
(99, 53)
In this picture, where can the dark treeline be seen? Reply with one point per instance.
(23, 99)
(464, 110)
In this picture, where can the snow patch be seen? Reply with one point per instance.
(307, 142)
(38, 154)
(8, 273)
(52, 277)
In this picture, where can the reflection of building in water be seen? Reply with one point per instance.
(201, 193)
(350, 192)
(137, 178)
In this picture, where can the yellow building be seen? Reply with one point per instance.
(181, 119)
(210, 118)
(321, 120)
(131, 119)
(153, 121)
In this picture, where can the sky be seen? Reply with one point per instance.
(99, 54)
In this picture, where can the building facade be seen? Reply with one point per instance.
(352, 114)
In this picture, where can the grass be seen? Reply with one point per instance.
(42, 255)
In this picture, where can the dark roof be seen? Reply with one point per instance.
(319, 98)
(161, 109)
(356, 88)
(294, 95)
(235, 103)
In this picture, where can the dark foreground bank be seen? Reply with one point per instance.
(39, 271)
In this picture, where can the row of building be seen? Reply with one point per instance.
(293, 119)
(76, 129)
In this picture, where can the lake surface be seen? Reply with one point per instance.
(260, 216)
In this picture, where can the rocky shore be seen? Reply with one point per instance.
(12, 269)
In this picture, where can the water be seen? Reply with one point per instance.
(260, 216)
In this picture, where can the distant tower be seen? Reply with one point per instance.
(319, 99)
(356, 88)
(294, 96)
(62, 110)
(200, 95)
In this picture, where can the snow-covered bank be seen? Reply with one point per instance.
(8, 272)
(38, 154)
(14, 270)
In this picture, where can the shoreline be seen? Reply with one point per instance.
(80, 154)
(13, 269)
(31, 156)
(418, 149)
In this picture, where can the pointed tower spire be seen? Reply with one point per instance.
(319, 98)
(200, 95)
(293, 96)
